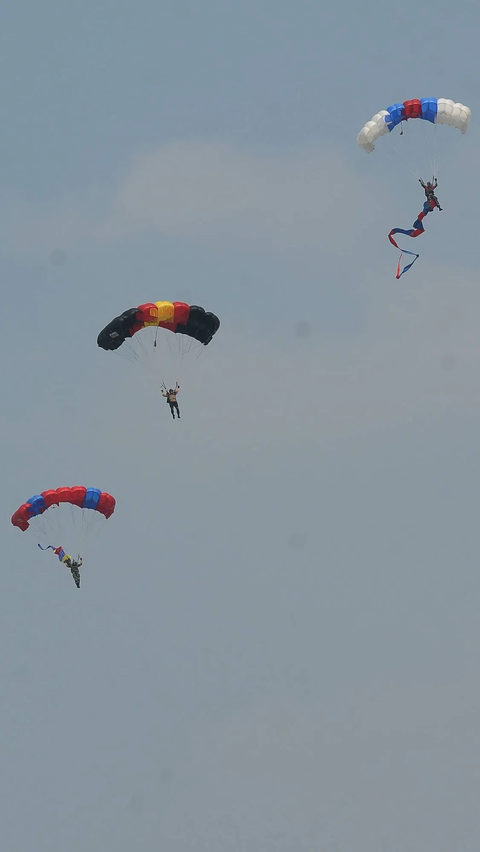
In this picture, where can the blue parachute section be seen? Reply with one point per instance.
(425, 108)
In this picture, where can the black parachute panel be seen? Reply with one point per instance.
(201, 325)
(116, 332)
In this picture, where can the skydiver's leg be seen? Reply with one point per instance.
(178, 410)
(172, 411)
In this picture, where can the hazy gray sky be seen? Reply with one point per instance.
(275, 646)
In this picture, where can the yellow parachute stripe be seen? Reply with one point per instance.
(162, 312)
(166, 311)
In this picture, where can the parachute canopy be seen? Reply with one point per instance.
(78, 495)
(434, 110)
(174, 316)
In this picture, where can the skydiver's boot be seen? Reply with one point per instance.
(76, 576)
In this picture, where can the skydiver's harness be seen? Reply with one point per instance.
(171, 397)
(429, 190)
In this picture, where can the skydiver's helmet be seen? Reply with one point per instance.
(429, 185)
(171, 390)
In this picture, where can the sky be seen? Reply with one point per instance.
(275, 644)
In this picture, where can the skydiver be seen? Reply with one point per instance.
(171, 397)
(429, 189)
(73, 564)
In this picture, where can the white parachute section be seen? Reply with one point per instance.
(372, 131)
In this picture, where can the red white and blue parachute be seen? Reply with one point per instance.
(434, 110)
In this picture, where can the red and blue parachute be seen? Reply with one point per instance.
(78, 495)
(65, 517)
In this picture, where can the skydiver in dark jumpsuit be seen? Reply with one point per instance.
(74, 566)
(71, 563)
(171, 397)
(429, 189)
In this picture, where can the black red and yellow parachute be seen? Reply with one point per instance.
(178, 317)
